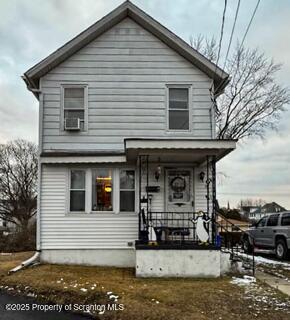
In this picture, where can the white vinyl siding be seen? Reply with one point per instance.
(127, 71)
(63, 230)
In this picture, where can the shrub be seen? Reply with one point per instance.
(19, 240)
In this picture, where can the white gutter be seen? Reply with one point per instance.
(26, 263)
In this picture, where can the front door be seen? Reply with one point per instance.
(179, 190)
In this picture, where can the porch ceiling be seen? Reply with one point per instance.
(178, 150)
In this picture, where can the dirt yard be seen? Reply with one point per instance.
(200, 299)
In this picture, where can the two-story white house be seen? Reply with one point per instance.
(128, 149)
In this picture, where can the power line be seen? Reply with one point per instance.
(249, 25)
(243, 40)
(230, 42)
(245, 35)
(221, 38)
(222, 33)
(232, 33)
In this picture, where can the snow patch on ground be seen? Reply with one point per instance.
(261, 297)
(112, 296)
(246, 280)
(262, 260)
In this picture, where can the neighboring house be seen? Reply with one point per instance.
(257, 212)
(128, 149)
(250, 212)
(272, 207)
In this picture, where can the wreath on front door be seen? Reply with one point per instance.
(178, 184)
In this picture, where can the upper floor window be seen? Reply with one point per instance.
(178, 118)
(74, 108)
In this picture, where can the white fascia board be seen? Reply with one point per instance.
(180, 144)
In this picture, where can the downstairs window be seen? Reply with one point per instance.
(77, 190)
(127, 191)
(102, 190)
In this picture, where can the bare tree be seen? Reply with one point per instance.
(208, 47)
(18, 182)
(253, 101)
(251, 203)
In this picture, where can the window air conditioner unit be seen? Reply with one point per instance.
(72, 124)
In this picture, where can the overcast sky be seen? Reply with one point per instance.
(31, 29)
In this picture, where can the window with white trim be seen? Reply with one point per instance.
(127, 190)
(77, 191)
(178, 109)
(74, 104)
(102, 190)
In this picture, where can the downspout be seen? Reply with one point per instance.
(38, 94)
(26, 263)
(212, 111)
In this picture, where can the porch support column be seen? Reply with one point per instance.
(207, 185)
(139, 162)
(213, 173)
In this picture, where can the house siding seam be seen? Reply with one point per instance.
(126, 70)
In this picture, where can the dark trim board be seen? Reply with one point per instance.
(172, 246)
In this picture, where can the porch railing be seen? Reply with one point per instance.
(175, 228)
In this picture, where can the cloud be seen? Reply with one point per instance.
(30, 30)
(257, 169)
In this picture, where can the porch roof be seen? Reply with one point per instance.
(185, 150)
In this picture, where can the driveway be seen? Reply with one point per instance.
(31, 315)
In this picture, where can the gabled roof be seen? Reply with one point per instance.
(272, 207)
(126, 9)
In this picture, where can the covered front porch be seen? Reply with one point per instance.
(176, 202)
(177, 206)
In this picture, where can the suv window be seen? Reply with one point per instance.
(285, 219)
(273, 220)
(262, 222)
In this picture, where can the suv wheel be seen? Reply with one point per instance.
(247, 246)
(281, 249)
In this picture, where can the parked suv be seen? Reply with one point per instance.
(270, 232)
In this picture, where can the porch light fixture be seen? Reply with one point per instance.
(201, 176)
(158, 171)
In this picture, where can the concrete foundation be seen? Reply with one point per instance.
(179, 263)
(94, 257)
(149, 262)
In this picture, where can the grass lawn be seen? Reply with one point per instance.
(9, 261)
(200, 299)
